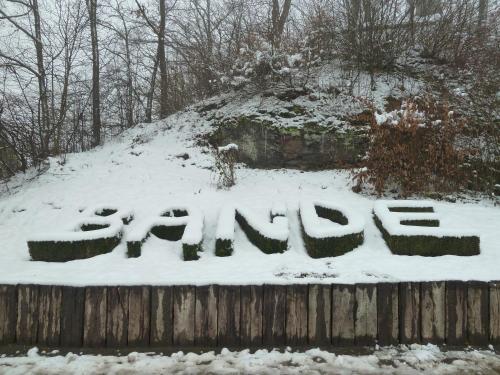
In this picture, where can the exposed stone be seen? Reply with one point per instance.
(311, 146)
(211, 106)
(292, 93)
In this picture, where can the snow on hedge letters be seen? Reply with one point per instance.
(328, 229)
(412, 228)
(270, 234)
(173, 224)
(98, 232)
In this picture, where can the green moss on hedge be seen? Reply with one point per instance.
(333, 215)
(421, 223)
(175, 213)
(170, 233)
(411, 209)
(429, 245)
(127, 220)
(106, 212)
(134, 249)
(190, 252)
(266, 245)
(91, 227)
(63, 251)
(223, 247)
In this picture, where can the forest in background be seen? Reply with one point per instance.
(74, 73)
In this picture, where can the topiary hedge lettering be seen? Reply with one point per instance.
(329, 230)
(174, 224)
(269, 235)
(413, 228)
(224, 236)
(88, 238)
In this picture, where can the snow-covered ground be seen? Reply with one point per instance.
(141, 171)
(416, 359)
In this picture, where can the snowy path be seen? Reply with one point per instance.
(416, 360)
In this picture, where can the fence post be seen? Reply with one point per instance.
(8, 314)
(161, 315)
(388, 313)
(433, 312)
(296, 314)
(343, 304)
(456, 310)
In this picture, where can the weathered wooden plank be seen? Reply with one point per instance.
(72, 311)
(319, 315)
(161, 316)
(456, 310)
(8, 314)
(365, 323)
(49, 315)
(494, 312)
(139, 312)
(409, 316)
(296, 314)
(94, 317)
(477, 313)
(184, 313)
(117, 316)
(251, 315)
(27, 314)
(228, 317)
(388, 313)
(433, 312)
(274, 315)
(343, 303)
(205, 333)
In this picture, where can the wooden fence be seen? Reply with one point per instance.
(451, 312)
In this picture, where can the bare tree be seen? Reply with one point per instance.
(279, 15)
(70, 27)
(158, 29)
(151, 91)
(31, 8)
(482, 13)
(122, 29)
(159, 56)
(96, 92)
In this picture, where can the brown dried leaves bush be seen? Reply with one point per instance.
(420, 149)
(225, 159)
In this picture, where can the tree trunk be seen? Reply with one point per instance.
(353, 10)
(163, 62)
(149, 103)
(411, 11)
(279, 17)
(42, 85)
(96, 102)
(483, 13)
(130, 83)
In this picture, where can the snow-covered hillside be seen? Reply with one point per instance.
(330, 98)
(146, 169)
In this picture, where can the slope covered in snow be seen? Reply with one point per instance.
(146, 169)
(329, 97)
